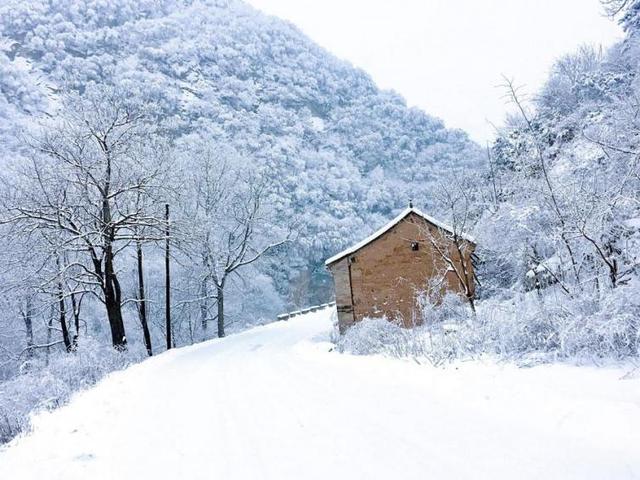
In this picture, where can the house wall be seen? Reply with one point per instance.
(342, 282)
(387, 275)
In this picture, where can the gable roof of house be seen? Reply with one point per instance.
(378, 233)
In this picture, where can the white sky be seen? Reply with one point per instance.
(448, 56)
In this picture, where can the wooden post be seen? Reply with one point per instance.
(167, 272)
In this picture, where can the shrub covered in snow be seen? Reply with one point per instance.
(525, 326)
(48, 384)
(379, 336)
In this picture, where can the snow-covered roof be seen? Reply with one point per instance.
(401, 216)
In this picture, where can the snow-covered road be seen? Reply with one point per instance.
(275, 403)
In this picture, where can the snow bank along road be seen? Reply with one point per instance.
(275, 403)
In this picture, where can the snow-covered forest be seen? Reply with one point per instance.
(209, 139)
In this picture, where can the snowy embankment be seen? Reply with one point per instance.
(276, 403)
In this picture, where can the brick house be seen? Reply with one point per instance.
(384, 274)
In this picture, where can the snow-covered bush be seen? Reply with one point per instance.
(581, 327)
(526, 326)
(379, 336)
(49, 384)
(436, 340)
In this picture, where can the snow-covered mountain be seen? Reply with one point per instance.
(345, 154)
(343, 149)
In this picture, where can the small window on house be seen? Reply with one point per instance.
(415, 246)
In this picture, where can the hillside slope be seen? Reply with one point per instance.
(230, 81)
(275, 402)
(224, 72)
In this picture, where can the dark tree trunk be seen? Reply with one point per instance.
(112, 294)
(28, 324)
(204, 311)
(220, 298)
(49, 328)
(76, 313)
(75, 305)
(472, 303)
(167, 271)
(612, 263)
(112, 300)
(63, 318)
(142, 305)
(465, 278)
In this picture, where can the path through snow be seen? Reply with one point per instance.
(275, 403)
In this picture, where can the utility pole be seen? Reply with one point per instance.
(167, 272)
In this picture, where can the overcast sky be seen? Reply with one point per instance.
(447, 56)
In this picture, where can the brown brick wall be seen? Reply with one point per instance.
(387, 275)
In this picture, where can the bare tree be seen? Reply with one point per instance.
(32, 278)
(88, 168)
(231, 224)
(453, 246)
(552, 196)
(613, 8)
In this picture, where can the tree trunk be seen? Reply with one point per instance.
(62, 308)
(142, 302)
(612, 263)
(112, 300)
(220, 298)
(63, 318)
(466, 280)
(112, 294)
(76, 320)
(204, 311)
(167, 272)
(472, 304)
(28, 324)
(49, 327)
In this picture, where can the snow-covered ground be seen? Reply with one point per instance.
(276, 403)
